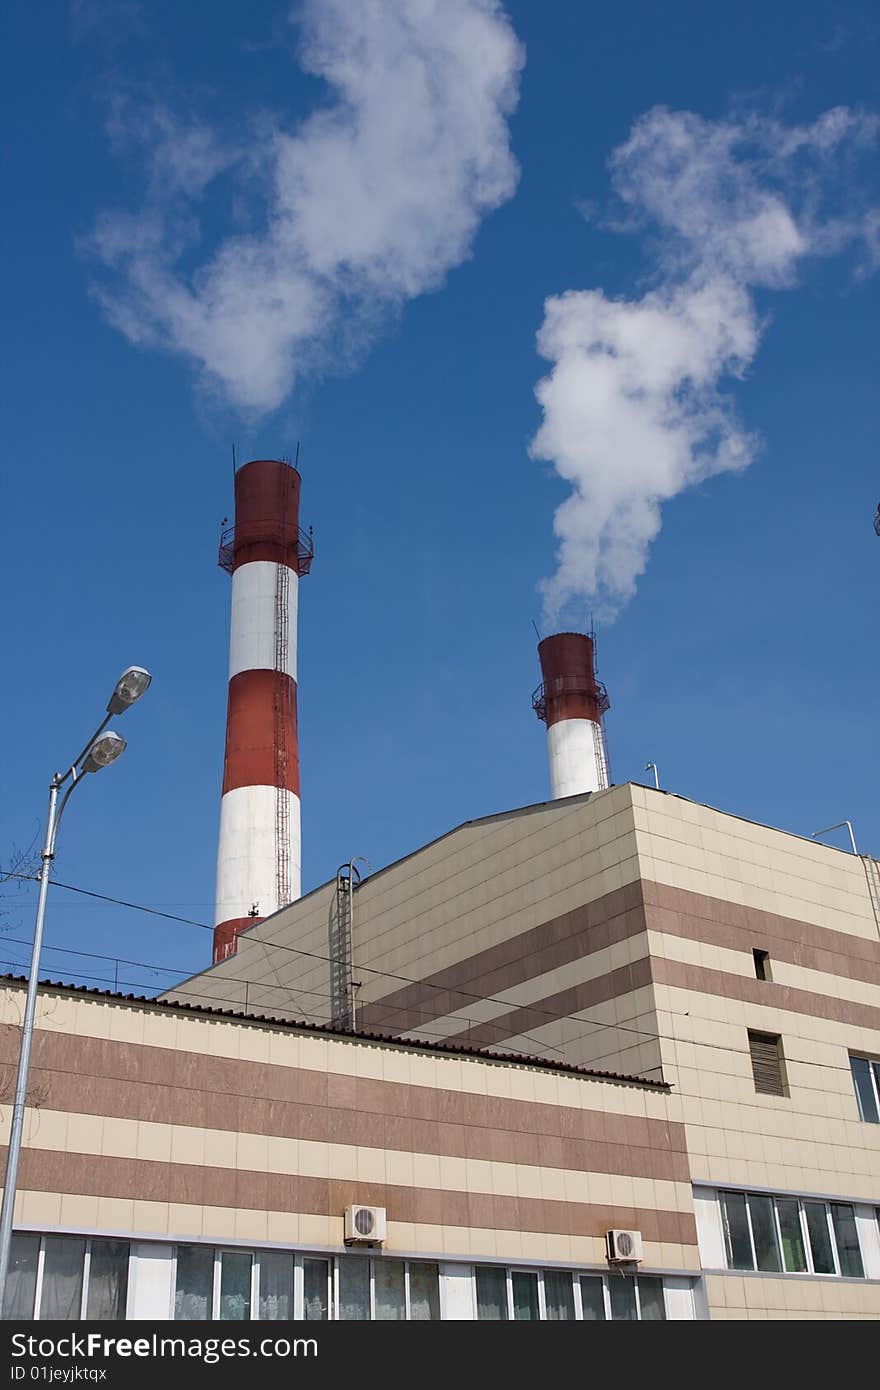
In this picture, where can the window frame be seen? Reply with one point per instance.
(604, 1278)
(803, 1226)
(216, 1292)
(873, 1064)
(36, 1315)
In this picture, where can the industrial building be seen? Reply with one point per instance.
(610, 1056)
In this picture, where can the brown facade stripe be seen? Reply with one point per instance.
(164, 1086)
(88, 1175)
(617, 916)
(717, 922)
(555, 1006)
(595, 925)
(766, 992)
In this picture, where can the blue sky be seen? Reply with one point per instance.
(746, 664)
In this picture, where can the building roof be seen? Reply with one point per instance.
(354, 1035)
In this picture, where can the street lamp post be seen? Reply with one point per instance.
(102, 749)
(649, 767)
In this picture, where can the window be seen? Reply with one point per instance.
(762, 964)
(236, 1276)
(239, 1285)
(843, 1220)
(107, 1280)
(316, 1290)
(424, 1291)
(735, 1223)
(623, 1299)
(866, 1079)
(390, 1286)
(387, 1289)
(652, 1307)
(354, 1289)
(66, 1278)
(276, 1285)
(592, 1299)
(765, 1050)
(491, 1283)
(557, 1295)
(194, 1283)
(524, 1286)
(21, 1281)
(790, 1234)
(62, 1283)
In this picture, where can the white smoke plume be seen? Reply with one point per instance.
(633, 407)
(369, 202)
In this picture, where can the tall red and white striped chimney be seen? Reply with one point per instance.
(571, 702)
(258, 859)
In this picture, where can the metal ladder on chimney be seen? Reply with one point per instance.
(281, 718)
(601, 756)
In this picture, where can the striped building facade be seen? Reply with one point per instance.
(635, 931)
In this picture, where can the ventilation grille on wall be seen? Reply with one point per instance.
(767, 1067)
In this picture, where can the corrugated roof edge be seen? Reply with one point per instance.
(413, 1045)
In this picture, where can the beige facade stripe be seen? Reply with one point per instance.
(44, 1170)
(222, 1225)
(625, 980)
(681, 975)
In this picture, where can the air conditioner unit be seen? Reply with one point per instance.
(624, 1247)
(364, 1225)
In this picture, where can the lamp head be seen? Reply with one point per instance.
(104, 751)
(132, 684)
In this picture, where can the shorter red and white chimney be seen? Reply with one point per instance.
(571, 702)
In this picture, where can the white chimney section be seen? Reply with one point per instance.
(571, 702)
(258, 858)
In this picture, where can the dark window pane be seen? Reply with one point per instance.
(651, 1301)
(21, 1280)
(845, 1233)
(315, 1285)
(820, 1239)
(736, 1231)
(525, 1296)
(354, 1289)
(235, 1285)
(108, 1280)
(623, 1298)
(276, 1285)
(424, 1292)
(390, 1290)
(193, 1295)
(861, 1074)
(764, 1232)
(793, 1253)
(491, 1293)
(558, 1295)
(61, 1296)
(592, 1300)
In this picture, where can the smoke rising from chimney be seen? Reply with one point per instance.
(370, 202)
(633, 406)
